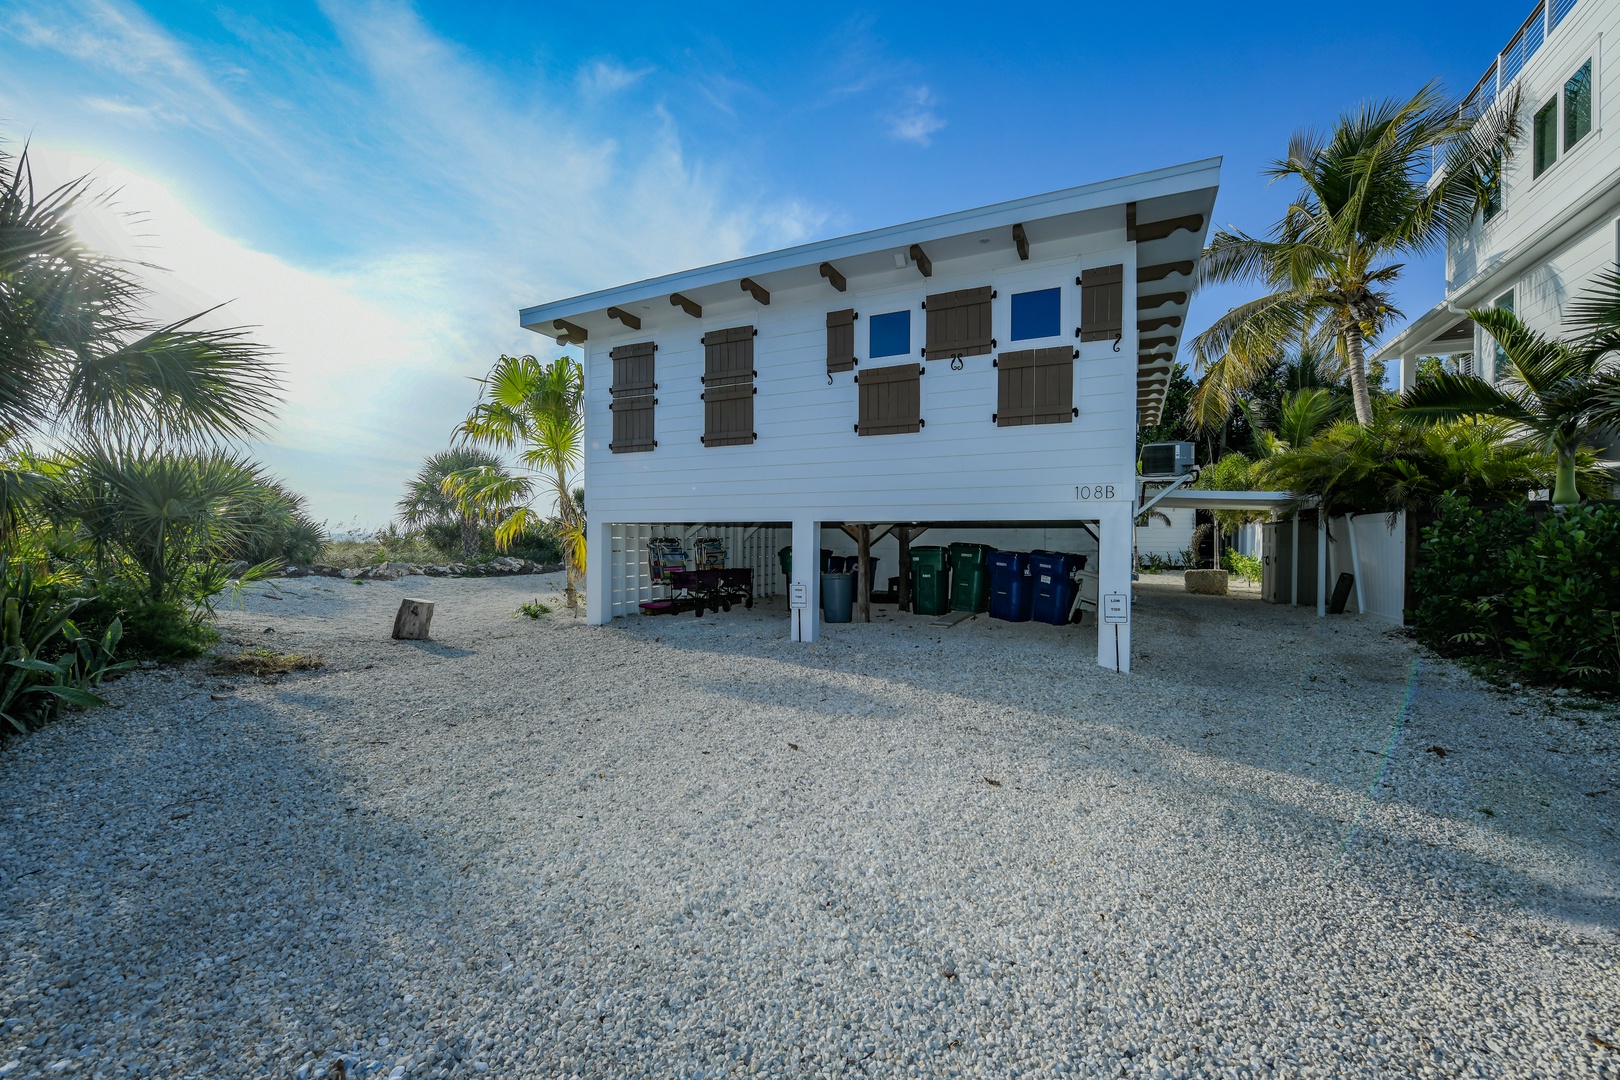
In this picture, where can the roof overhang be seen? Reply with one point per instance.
(1167, 213)
(1437, 332)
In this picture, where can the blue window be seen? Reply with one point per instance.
(1036, 314)
(890, 334)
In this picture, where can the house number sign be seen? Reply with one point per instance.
(1094, 492)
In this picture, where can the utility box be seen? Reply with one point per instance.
(1277, 564)
(1167, 459)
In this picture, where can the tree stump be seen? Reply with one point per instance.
(413, 620)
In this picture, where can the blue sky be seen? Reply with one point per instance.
(379, 186)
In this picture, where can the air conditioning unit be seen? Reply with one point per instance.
(1167, 459)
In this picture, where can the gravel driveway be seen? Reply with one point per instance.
(684, 847)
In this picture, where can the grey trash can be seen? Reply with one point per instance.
(837, 596)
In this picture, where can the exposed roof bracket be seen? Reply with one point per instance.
(1153, 300)
(834, 278)
(568, 333)
(688, 306)
(924, 263)
(1158, 230)
(1021, 239)
(632, 321)
(1130, 221)
(756, 290)
(1163, 270)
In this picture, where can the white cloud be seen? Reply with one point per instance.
(602, 78)
(916, 121)
(457, 202)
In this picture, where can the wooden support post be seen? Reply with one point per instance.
(414, 620)
(902, 533)
(863, 589)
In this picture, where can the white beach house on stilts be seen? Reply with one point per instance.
(987, 368)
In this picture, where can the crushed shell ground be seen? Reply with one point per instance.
(683, 847)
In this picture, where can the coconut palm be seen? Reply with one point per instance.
(536, 410)
(427, 503)
(1365, 201)
(1559, 396)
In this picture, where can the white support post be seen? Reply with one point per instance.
(598, 572)
(1355, 562)
(806, 572)
(1114, 526)
(1321, 562)
(1293, 562)
(1408, 375)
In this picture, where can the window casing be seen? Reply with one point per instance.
(1037, 314)
(1498, 354)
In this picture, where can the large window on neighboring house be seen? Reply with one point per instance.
(1498, 354)
(1493, 187)
(1578, 106)
(1544, 138)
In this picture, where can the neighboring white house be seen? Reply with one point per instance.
(983, 369)
(1557, 222)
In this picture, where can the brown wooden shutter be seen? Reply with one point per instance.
(1035, 386)
(1102, 303)
(728, 355)
(633, 399)
(959, 324)
(728, 414)
(728, 386)
(841, 340)
(891, 400)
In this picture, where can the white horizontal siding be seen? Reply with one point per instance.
(809, 461)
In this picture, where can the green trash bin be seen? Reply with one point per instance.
(930, 581)
(786, 556)
(970, 577)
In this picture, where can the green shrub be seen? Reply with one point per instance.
(1238, 563)
(1540, 597)
(165, 631)
(46, 660)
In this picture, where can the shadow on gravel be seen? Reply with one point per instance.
(1301, 698)
(228, 879)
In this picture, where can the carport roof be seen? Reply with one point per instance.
(1193, 499)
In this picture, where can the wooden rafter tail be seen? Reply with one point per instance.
(756, 290)
(569, 333)
(1154, 300)
(1159, 230)
(834, 278)
(689, 306)
(1164, 270)
(1130, 221)
(924, 263)
(1021, 240)
(632, 321)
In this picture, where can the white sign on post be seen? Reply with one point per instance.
(800, 594)
(1116, 607)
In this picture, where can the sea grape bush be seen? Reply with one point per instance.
(1542, 597)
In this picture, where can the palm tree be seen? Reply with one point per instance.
(426, 501)
(79, 357)
(535, 409)
(1557, 395)
(1365, 200)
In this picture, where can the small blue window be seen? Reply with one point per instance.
(1036, 314)
(890, 334)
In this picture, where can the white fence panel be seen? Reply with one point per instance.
(1379, 564)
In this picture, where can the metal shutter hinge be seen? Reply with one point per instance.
(921, 422)
(993, 417)
(1077, 412)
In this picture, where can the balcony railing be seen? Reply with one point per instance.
(1544, 19)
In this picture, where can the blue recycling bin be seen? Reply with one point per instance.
(1053, 585)
(837, 597)
(1009, 586)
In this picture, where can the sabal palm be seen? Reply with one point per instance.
(78, 357)
(536, 410)
(1364, 201)
(426, 502)
(1556, 395)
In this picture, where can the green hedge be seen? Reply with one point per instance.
(1541, 597)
